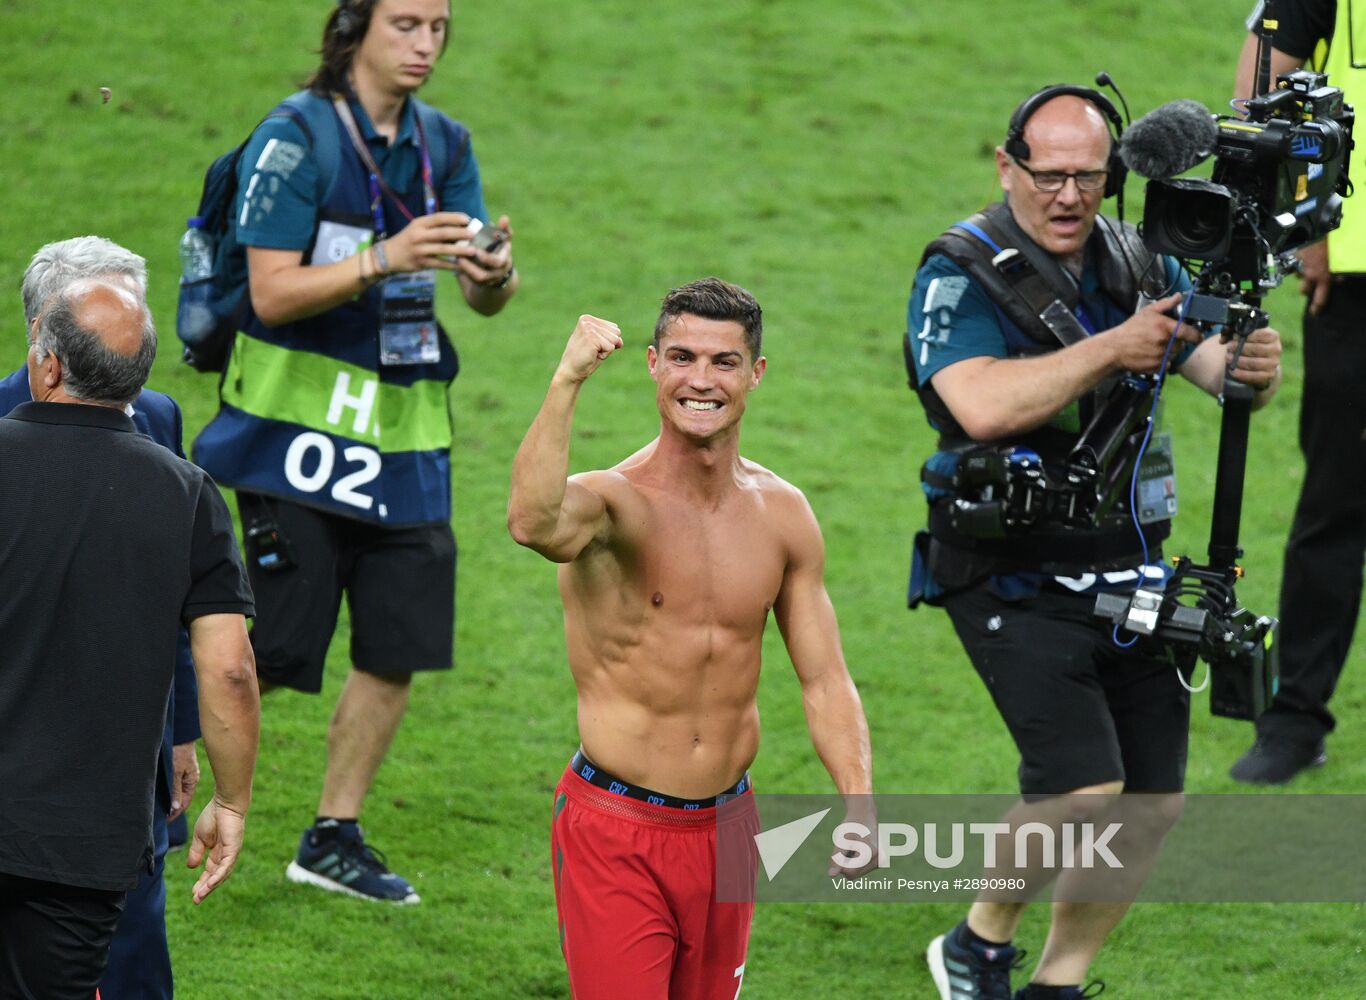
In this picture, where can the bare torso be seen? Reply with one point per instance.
(664, 624)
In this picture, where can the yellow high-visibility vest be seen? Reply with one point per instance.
(1345, 64)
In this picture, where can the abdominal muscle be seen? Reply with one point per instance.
(673, 710)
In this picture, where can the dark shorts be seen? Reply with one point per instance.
(54, 939)
(399, 585)
(1082, 711)
(635, 895)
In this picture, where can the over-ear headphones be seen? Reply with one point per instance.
(348, 21)
(1016, 146)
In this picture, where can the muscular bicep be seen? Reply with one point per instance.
(585, 517)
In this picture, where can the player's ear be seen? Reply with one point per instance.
(651, 358)
(760, 367)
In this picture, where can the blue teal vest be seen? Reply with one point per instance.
(307, 412)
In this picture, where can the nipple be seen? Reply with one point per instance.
(658, 599)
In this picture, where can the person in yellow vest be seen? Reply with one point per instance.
(1321, 585)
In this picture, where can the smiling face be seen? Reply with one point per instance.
(703, 373)
(401, 44)
(1067, 134)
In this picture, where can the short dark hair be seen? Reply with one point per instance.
(91, 371)
(345, 29)
(712, 298)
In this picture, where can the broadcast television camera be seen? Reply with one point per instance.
(1278, 182)
(1279, 178)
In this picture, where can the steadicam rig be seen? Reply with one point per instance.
(1008, 491)
(1197, 613)
(1279, 177)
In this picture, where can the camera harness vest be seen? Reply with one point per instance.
(1036, 302)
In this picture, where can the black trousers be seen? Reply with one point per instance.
(1321, 584)
(54, 939)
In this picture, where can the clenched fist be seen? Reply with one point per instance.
(590, 343)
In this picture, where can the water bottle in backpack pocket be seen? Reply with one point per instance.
(194, 319)
(212, 272)
(213, 281)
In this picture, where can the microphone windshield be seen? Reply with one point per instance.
(1170, 139)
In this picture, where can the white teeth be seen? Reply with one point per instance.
(694, 404)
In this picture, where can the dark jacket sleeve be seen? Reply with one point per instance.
(164, 425)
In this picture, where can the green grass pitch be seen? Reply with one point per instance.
(807, 150)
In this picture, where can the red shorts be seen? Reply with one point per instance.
(635, 895)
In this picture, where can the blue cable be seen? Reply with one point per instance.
(975, 230)
(1147, 436)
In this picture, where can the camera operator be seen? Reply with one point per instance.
(1090, 719)
(1321, 583)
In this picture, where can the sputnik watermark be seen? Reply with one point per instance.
(777, 846)
(1159, 847)
(1075, 845)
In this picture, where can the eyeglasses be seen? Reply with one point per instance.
(1053, 180)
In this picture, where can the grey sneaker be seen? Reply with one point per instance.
(971, 973)
(343, 863)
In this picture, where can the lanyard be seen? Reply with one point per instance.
(1084, 318)
(378, 187)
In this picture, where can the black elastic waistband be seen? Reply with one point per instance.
(595, 775)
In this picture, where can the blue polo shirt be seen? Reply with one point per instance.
(277, 201)
(950, 318)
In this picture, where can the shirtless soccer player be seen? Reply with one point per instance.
(670, 564)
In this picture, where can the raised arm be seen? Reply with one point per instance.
(547, 511)
(230, 717)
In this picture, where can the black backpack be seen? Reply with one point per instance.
(210, 310)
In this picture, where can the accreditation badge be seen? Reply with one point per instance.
(407, 329)
(1157, 482)
(338, 240)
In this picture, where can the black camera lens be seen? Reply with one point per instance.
(1188, 218)
(1202, 225)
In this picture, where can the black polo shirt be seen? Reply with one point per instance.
(1301, 24)
(108, 542)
